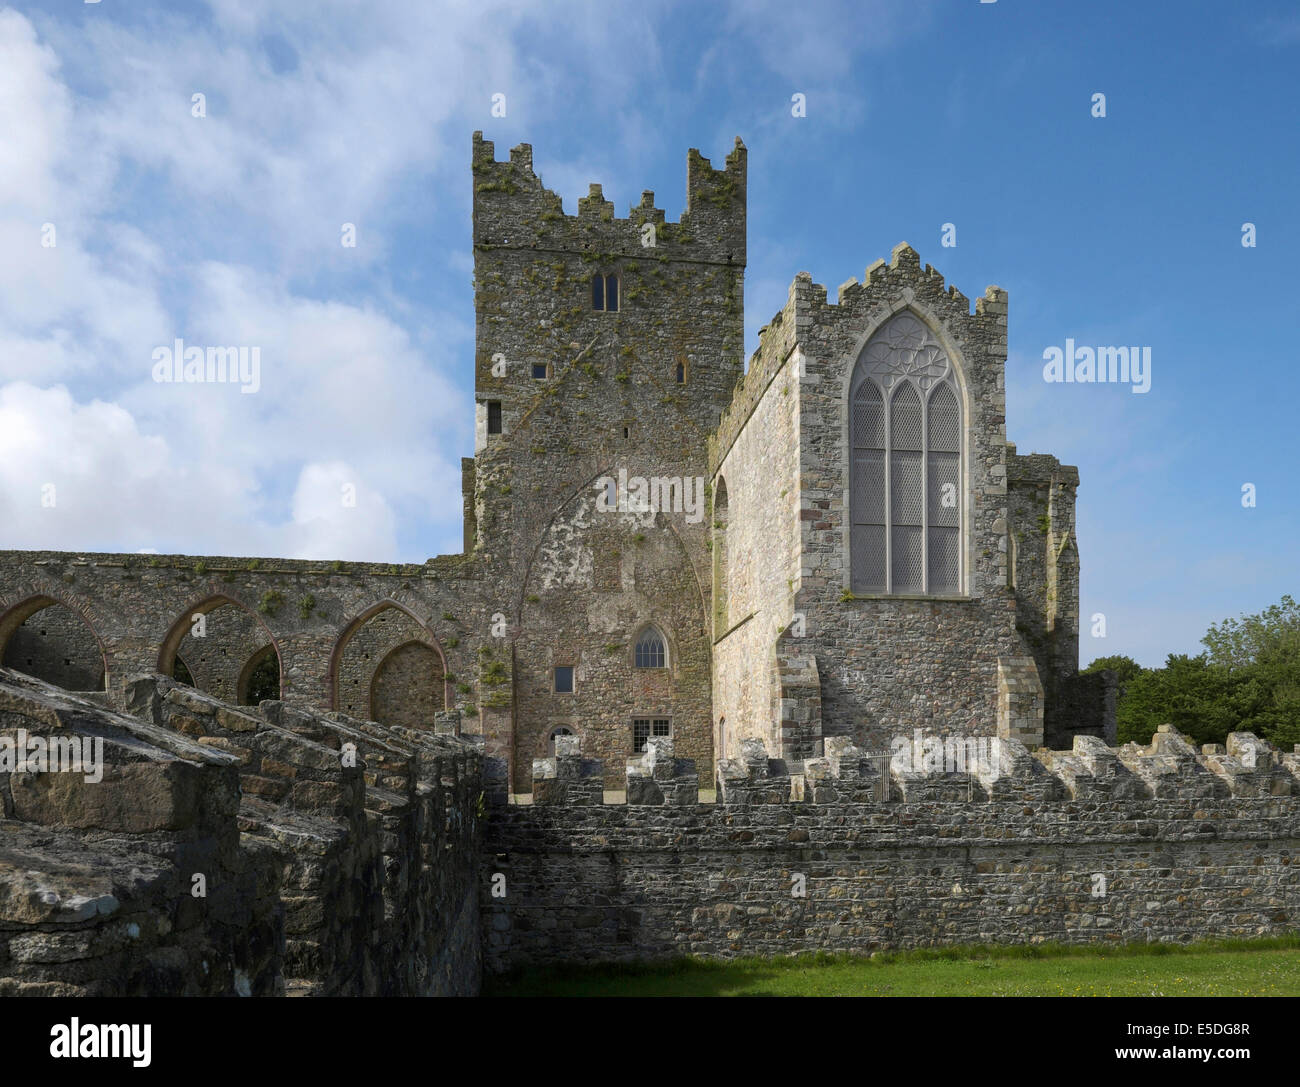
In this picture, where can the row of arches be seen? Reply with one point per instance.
(386, 665)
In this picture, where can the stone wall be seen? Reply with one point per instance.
(229, 851)
(758, 467)
(320, 618)
(585, 395)
(1163, 843)
(56, 645)
(886, 663)
(1044, 572)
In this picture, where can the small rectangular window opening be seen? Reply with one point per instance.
(643, 728)
(564, 680)
(494, 416)
(598, 292)
(681, 373)
(540, 371)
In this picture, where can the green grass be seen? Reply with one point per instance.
(1269, 967)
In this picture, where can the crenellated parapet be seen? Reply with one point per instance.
(566, 777)
(959, 770)
(514, 210)
(658, 777)
(232, 850)
(856, 851)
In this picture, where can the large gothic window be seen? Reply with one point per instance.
(905, 431)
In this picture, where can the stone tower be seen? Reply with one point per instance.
(607, 349)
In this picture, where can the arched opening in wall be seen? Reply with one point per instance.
(550, 740)
(47, 639)
(259, 681)
(905, 475)
(720, 558)
(407, 688)
(388, 667)
(650, 649)
(216, 646)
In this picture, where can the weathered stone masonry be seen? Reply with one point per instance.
(780, 683)
(320, 875)
(1131, 844)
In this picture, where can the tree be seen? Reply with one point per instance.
(1188, 692)
(1238, 643)
(1248, 680)
(1126, 669)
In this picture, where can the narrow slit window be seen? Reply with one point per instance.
(681, 373)
(494, 416)
(604, 293)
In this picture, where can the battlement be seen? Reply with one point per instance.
(514, 210)
(963, 770)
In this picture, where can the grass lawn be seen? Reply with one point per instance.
(1268, 967)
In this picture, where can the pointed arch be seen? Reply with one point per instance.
(905, 464)
(250, 673)
(427, 637)
(650, 647)
(13, 622)
(721, 563)
(183, 625)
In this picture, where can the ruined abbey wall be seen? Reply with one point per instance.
(332, 624)
(820, 660)
(758, 544)
(1100, 845)
(227, 851)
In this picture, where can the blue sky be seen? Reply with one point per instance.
(1122, 230)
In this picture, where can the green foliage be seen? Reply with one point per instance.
(264, 681)
(1247, 681)
(200, 568)
(846, 596)
(271, 601)
(1237, 643)
(1125, 668)
(1188, 693)
(306, 605)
